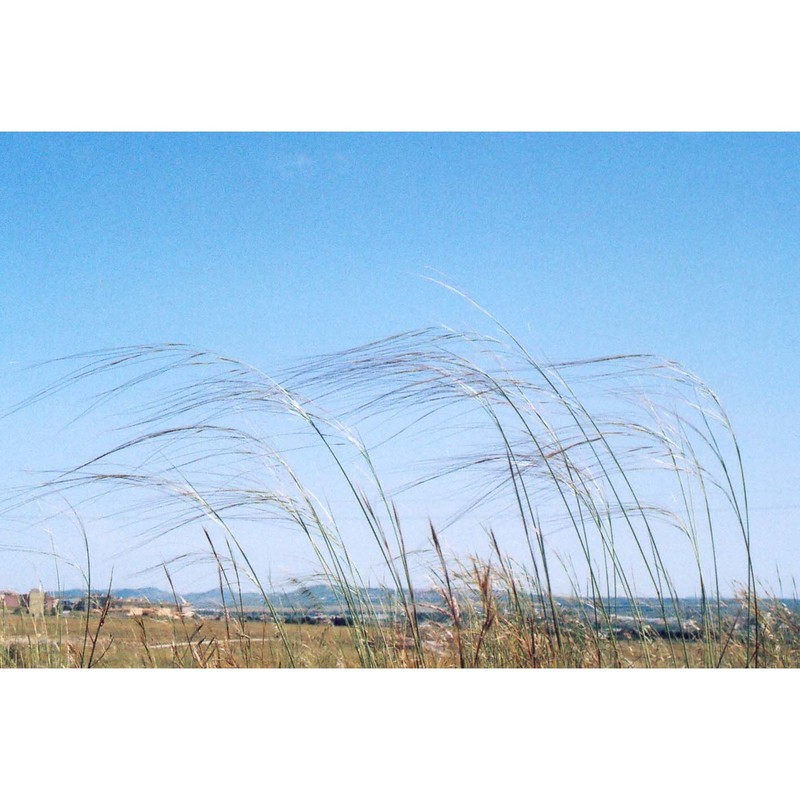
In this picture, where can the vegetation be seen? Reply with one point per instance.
(605, 480)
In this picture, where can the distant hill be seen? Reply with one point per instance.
(150, 592)
(309, 598)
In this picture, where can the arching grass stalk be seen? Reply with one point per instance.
(553, 454)
(569, 398)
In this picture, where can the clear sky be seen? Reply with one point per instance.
(275, 247)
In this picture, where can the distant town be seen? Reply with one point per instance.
(37, 602)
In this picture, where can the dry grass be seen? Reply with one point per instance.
(492, 640)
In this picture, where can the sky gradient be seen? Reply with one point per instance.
(276, 247)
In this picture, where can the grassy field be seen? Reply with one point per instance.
(494, 641)
(128, 642)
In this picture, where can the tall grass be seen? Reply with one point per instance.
(607, 479)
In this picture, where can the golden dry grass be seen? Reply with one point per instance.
(125, 642)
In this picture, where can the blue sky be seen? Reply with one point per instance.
(276, 247)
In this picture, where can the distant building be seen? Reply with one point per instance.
(171, 611)
(38, 603)
(35, 602)
(10, 601)
(142, 607)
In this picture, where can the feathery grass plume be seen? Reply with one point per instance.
(574, 464)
